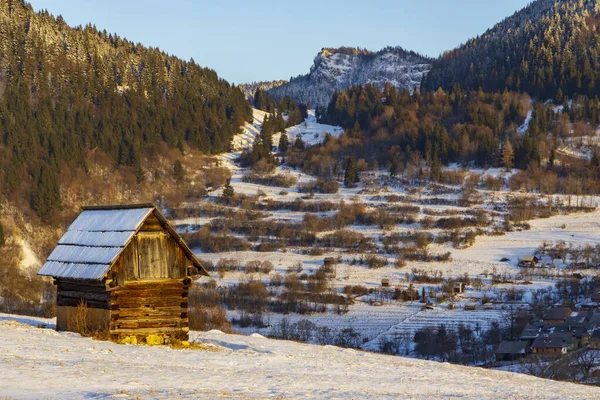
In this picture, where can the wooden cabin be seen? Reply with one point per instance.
(130, 268)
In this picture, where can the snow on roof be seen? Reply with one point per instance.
(97, 237)
(93, 242)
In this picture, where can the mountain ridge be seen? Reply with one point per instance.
(336, 69)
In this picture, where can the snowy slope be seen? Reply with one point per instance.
(41, 363)
(245, 139)
(310, 131)
(338, 69)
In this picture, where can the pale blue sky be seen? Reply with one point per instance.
(256, 40)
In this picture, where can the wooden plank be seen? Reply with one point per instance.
(149, 302)
(148, 323)
(149, 331)
(81, 285)
(157, 281)
(129, 269)
(85, 295)
(128, 312)
(74, 302)
(152, 255)
(151, 292)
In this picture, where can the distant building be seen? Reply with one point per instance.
(529, 261)
(458, 287)
(557, 315)
(531, 332)
(511, 350)
(553, 344)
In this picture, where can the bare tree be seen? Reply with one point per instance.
(584, 362)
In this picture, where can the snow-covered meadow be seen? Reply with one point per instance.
(42, 363)
(376, 319)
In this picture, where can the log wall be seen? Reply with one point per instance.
(157, 307)
(71, 292)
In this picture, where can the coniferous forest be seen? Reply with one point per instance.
(68, 91)
(548, 49)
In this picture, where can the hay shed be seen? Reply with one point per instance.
(129, 267)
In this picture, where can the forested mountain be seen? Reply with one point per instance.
(338, 69)
(65, 91)
(548, 49)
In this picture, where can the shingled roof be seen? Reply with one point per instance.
(512, 347)
(97, 237)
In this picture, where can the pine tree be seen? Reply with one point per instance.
(394, 165)
(298, 143)
(435, 171)
(551, 158)
(178, 172)
(283, 142)
(508, 155)
(351, 173)
(228, 191)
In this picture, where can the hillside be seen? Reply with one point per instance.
(548, 49)
(337, 69)
(43, 363)
(68, 91)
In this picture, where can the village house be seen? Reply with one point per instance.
(529, 261)
(531, 332)
(557, 315)
(553, 343)
(580, 333)
(511, 350)
(129, 268)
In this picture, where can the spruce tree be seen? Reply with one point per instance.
(435, 171)
(228, 192)
(351, 173)
(298, 143)
(178, 172)
(283, 142)
(394, 165)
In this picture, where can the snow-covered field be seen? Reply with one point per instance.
(310, 131)
(390, 318)
(42, 363)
